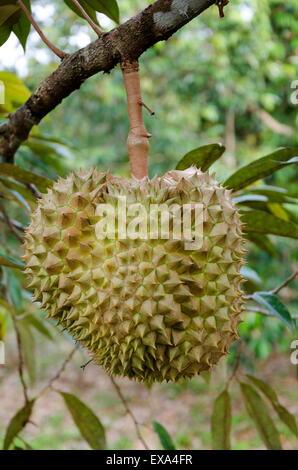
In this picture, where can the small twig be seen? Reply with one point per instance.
(59, 372)
(221, 4)
(33, 190)
(50, 45)
(128, 411)
(83, 366)
(285, 283)
(95, 28)
(21, 359)
(148, 109)
(9, 223)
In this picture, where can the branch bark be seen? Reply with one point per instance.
(125, 43)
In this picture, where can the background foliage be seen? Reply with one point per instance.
(227, 81)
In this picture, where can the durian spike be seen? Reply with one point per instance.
(138, 137)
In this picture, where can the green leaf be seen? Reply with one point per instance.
(164, 437)
(274, 306)
(88, 9)
(40, 326)
(250, 274)
(24, 176)
(6, 11)
(262, 242)
(19, 188)
(258, 411)
(3, 326)
(221, 422)
(284, 415)
(4, 35)
(10, 261)
(262, 222)
(274, 193)
(16, 92)
(87, 422)
(107, 7)
(262, 167)
(22, 27)
(17, 424)
(28, 346)
(202, 157)
(14, 288)
(13, 195)
(250, 198)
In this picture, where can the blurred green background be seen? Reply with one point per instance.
(217, 80)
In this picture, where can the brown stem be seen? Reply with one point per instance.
(50, 45)
(95, 28)
(128, 411)
(137, 141)
(221, 4)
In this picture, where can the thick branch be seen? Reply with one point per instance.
(125, 43)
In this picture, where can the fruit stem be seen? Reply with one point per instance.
(138, 137)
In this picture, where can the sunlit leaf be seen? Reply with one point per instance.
(202, 157)
(87, 422)
(278, 210)
(221, 422)
(258, 411)
(3, 326)
(16, 92)
(164, 437)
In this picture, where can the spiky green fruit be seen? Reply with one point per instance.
(147, 309)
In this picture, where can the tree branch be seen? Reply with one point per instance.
(125, 43)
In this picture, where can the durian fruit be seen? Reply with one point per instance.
(146, 309)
